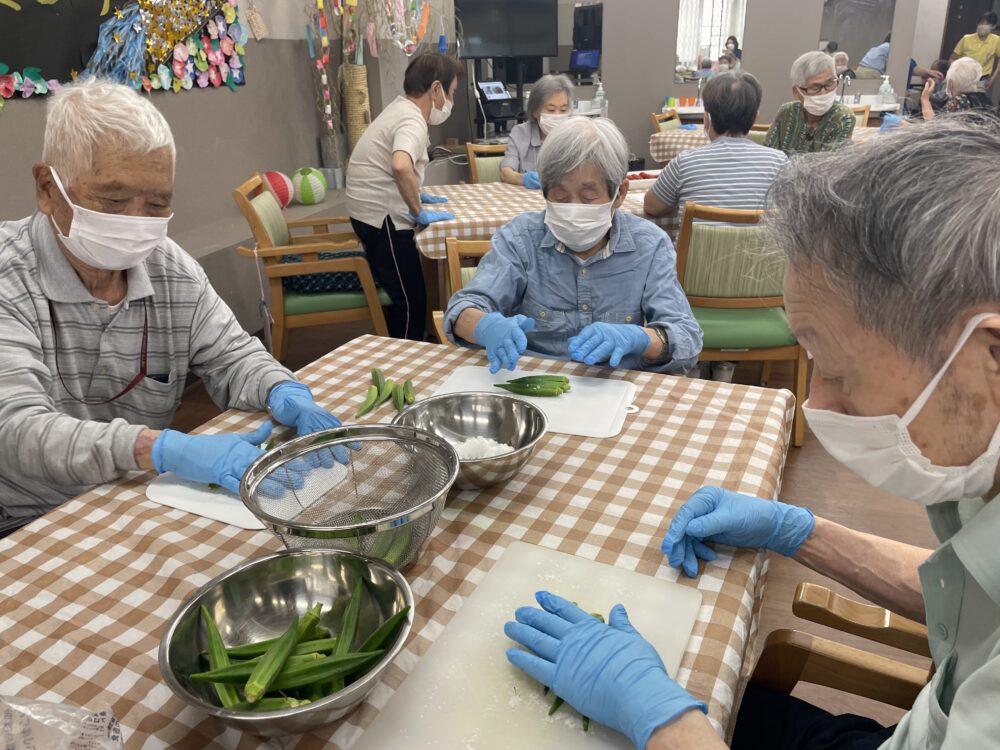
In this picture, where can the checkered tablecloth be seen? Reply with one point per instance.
(480, 210)
(86, 590)
(665, 146)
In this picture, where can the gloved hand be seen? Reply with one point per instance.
(503, 338)
(607, 672)
(428, 198)
(532, 181)
(292, 404)
(599, 341)
(218, 459)
(426, 217)
(717, 515)
(889, 122)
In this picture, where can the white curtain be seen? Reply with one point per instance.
(689, 32)
(704, 25)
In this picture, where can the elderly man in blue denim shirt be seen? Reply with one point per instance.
(580, 279)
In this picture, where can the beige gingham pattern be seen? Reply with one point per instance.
(666, 145)
(481, 209)
(86, 590)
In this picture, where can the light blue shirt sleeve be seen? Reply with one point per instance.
(877, 57)
(498, 285)
(518, 145)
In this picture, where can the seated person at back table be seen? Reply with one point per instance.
(581, 278)
(731, 171)
(550, 103)
(814, 121)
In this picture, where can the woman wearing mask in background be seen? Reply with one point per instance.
(814, 121)
(384, 198)
(727, 62)
(549, 104)
(733, 48)
(581, 279)
(983, 47)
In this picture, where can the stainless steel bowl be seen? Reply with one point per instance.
(257, 600)
(460, 416)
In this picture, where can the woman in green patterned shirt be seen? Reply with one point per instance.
(814, 121)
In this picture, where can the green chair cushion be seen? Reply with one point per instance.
(758, 136)
(668, 125)
(297, 303)
(747, 328)
(269, 213)
(488, 168)
(467, 273)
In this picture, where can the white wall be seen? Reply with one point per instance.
(285, 19)
(930, 23)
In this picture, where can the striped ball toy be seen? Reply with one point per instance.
(310, 185)
(280, 186)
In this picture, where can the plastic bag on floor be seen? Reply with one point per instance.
(36, 725)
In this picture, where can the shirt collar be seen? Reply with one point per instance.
(57, 277)
(621, 240)
(536, 135)
(976, 546)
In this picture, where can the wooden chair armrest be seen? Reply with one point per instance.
(278, 252)
(323, 222)
(791, 656)
(818, 604)
(299, 239)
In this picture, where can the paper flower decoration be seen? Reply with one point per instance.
(237, 75)
(213, 30)
(181, 53)
(179, 68)
(215, 57)
(7, 86)
(230, 12)
(237, 33)
(202, 80)
(226, 46)
(213, 76)
(220, 25)
(165, 76)
(188, 83)
(223, 70)
(27, 88)
(235, 63)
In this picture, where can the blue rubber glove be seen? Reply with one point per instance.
(428, 198)
(292, 404)
(532, 181)
(607, 672)
(889, 122)
(717, 515)
(426, 217)
(599, 341)
(218, 459)
(503, 338)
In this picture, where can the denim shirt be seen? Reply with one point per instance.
(633, 281)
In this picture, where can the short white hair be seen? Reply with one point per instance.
(840, 54)
(812, 64)
(583, 140)
(97, 112)
(964, 75)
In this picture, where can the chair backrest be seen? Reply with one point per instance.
(262, 212)
(760, 127)
(861, 113)
(484, 162)
(725, 260)
(459, 250)
(758, 136)
(663, 121)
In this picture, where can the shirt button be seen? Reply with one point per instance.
(541, 313)
(628, 318)
(942, 631)
(942, 583)
(584, 308)
(583, 271)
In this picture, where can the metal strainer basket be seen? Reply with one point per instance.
(374, 489)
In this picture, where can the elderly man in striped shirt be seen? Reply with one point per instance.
(102, 317)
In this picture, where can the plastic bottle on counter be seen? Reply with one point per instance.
(600, 100)
(885, 93)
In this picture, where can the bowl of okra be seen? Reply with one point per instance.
(287, 643)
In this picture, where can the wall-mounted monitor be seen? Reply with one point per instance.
(508, 28)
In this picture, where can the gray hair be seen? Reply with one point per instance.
(898, 228)
(812, 64)
(841, 55)
(732, 100)
(964, 75)
(544, 89)
(579, 141)
(95, 112)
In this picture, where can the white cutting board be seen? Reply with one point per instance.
(595, 407)
(464, 694)
(218, 504)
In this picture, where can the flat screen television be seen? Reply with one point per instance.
(508, 28)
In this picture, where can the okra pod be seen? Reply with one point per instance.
(561, 380)
(398, 397)
(385, 393)
(254, 651)
(271, 664)
(528, 389)
(269, 704)
(236, 674)
(409, 392)
(309, 622)
(378, 379)
(369, 403)
(400, 544)
(385, 635)
(555, 705)
(348, 629)
(218, 658)
(331, 668)
(586, 723)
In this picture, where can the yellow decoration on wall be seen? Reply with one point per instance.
(169, 22)
(11, 4)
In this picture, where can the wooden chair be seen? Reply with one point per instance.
(484, 162)
(861, 113)
(792, 656)
(459, 251)
(733, 281)
(660, 118)
(275, 242)
(760, 127)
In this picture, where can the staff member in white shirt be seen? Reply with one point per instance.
(383, 187)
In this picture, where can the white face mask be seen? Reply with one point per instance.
(880, 450)
(984, 29)
(439, 116)
(819, 104)
(723, 67)
(111, 242)
(579, 226)
(547, 121)
(730, 46)
(841, 69)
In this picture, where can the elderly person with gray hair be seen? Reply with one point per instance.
(898, 302)
(814, 121)
(103, 318)
(962, 90)
(549, 103)
(581, 279)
